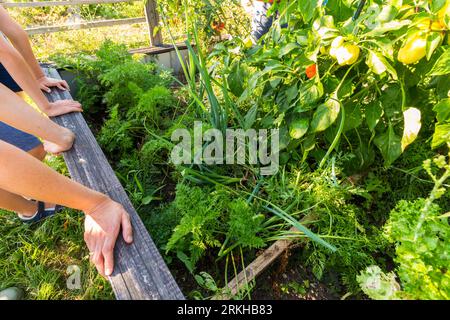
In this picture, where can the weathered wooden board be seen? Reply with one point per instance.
(84, 25)
(163, 48)
(254, 269)
(140, 271)
(261, 263)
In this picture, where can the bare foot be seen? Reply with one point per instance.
(52, 148)
(66, 144)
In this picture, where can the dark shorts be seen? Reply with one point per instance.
(8, 81)
(20, 139)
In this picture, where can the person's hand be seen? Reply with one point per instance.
(61, 107)
(102, 226)
(46, 83)
(65, 143)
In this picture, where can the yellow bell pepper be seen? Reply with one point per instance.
(345, 53)
(335, 45)
(437, 26)
(414, 49)
(443, 12)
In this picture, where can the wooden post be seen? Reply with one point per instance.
(151, 13)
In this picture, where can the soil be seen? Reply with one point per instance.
(287, 280)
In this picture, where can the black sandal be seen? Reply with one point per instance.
(42, 213)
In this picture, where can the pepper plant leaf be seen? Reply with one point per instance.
(325, 115)
(390, 145)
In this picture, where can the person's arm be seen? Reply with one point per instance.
(18, 114)
(19, 39)
(20, 72)
(22, 174)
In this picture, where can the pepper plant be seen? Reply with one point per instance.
(332, 79)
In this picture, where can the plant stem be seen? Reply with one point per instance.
(336, 139)
(429, 202)
(341, 126)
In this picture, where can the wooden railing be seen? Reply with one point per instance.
(151, 17)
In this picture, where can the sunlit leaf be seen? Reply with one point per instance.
(442, 110)
(442, 65)
(441, 135)
(325, 115)
(298, 128)
(379, 65)
(434, 39)
(413, 124)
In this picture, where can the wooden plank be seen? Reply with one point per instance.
(84, 25)
(261, 263)
(58, 3)
(151, 13)
(140, 271)
(163, 48)
(253, 269)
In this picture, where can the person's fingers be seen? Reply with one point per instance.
(89, 242)
(75, 109)
(64, 110)
(65, 85)
(108, 255)
(67, 106)
(98, 261)
(76, 104)
(71, 103)
(127, 229)
(60, 86)
(45, 88)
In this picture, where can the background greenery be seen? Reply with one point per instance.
(133, 36)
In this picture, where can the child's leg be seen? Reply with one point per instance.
(17, 204)
(38, 152)
(23, 207)
(22, 140)
(261, 23)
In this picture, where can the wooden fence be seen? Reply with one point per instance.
(151, 17)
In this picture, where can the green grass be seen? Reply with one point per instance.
(36, 258)
(88, 40)
(31, 17)
(133, 36)
(71, 42)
